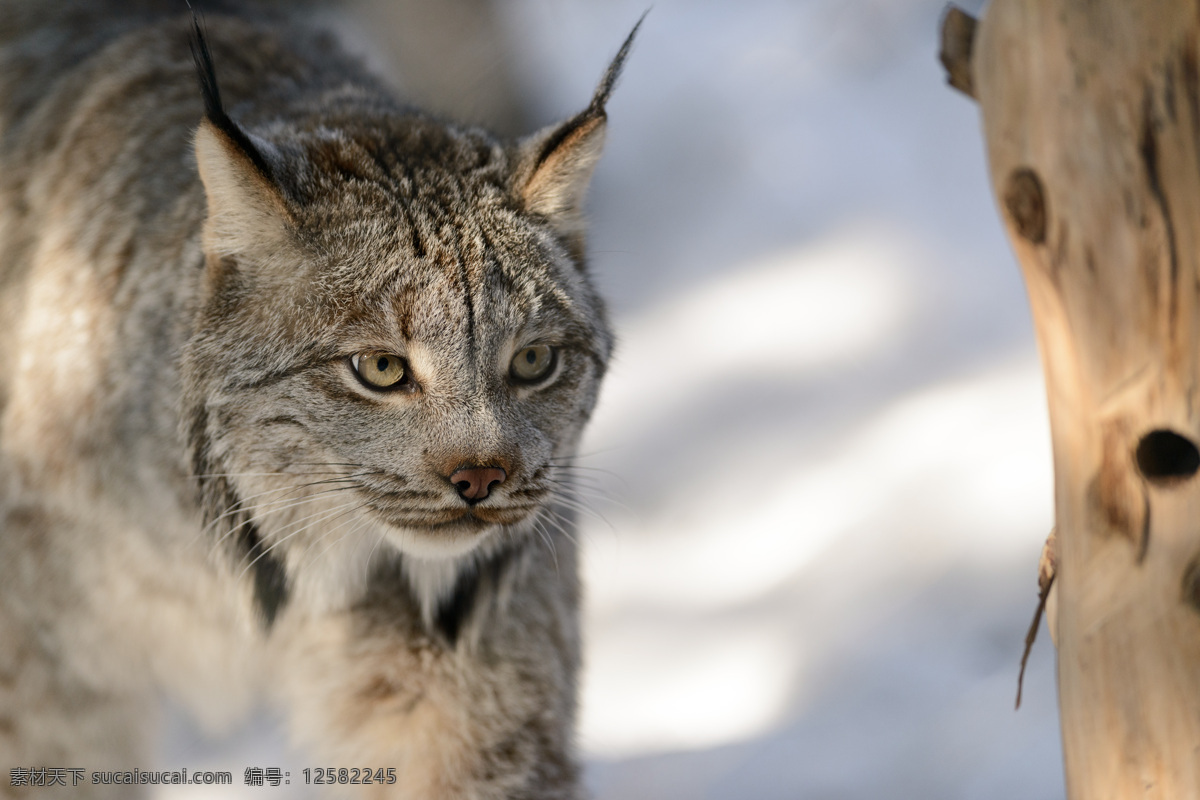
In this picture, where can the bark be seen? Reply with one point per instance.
(1091, 112)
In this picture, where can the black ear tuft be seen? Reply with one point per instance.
(214, 110)
(207, 75)
(594, 113)
(613, 73)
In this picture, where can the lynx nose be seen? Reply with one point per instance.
(474, 483)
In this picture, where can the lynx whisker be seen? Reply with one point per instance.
(250, 508)
(346, 464)
(591, 499)
(561, 524)
(312, 521)
(275, 474)
(379, 539)
(595, 473)
(355, 526)
(574, 504)
(584, 456)
(539, 526)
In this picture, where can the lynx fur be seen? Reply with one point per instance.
(221, 241)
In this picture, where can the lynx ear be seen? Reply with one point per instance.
(556, 163)
(245, 208)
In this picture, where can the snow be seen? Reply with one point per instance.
(823, 463)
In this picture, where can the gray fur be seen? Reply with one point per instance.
(197, 495)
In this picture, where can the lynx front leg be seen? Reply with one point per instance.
(480, 704)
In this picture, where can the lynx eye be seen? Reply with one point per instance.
(532, 364)
(381, 370)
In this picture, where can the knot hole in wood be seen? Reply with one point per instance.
(1191, 584)
(1165, 457)
(1026, 204)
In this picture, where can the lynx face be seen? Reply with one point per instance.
(398, 345)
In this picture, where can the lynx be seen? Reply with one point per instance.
(291, 380)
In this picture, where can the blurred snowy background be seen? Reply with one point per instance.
(824, 461)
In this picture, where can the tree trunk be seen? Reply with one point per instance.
(1091, 111)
